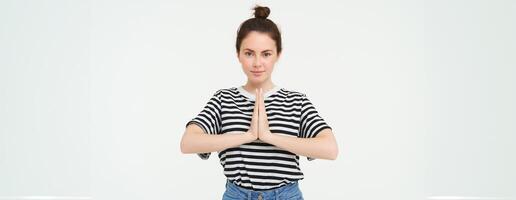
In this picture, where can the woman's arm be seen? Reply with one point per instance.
(196, 141)
(322, 146)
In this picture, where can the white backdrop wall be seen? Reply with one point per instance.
(94, 95)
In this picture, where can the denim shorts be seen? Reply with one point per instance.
(286, 192)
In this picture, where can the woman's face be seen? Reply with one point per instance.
(258, 56)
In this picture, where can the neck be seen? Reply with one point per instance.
(266, 86)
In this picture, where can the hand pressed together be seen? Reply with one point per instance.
(259, 128)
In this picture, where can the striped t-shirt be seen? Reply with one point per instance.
(258, 165)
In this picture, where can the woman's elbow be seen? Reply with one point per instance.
(334, 153)
(330, 145)
(332, 150)
(184, 147)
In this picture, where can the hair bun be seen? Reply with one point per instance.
(261, 12)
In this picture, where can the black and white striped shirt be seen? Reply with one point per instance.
(258, 165)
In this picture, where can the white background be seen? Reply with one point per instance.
(94, 96)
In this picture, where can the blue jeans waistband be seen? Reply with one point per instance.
(288, 190)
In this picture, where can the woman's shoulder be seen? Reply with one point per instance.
(226, 90)
(292, 92)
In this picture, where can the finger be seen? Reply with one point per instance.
(256, 107)
(262, 102)
(258, 104)
(257, 101)
(257, 113)
(256, 95)
(261, 94)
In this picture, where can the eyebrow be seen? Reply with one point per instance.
(253, 50)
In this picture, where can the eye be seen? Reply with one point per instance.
(247, 53)
(267, 54)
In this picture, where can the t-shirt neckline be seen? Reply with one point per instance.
(251, 96)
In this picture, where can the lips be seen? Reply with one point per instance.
(257, 73)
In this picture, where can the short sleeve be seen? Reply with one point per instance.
(209, 119)
(311, 122)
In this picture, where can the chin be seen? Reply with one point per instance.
(256, 80)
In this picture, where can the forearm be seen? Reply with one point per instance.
(203, 143)
(317, 147)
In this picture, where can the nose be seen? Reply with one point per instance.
(257, 62)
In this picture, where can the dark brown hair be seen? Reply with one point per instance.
(259, 23)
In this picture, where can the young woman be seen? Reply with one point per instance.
(260, 129)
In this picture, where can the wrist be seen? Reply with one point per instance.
(267, 137)
(249, 136)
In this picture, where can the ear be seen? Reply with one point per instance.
(238, 57)
(279, 56)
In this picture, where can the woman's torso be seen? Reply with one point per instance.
(258, 165)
